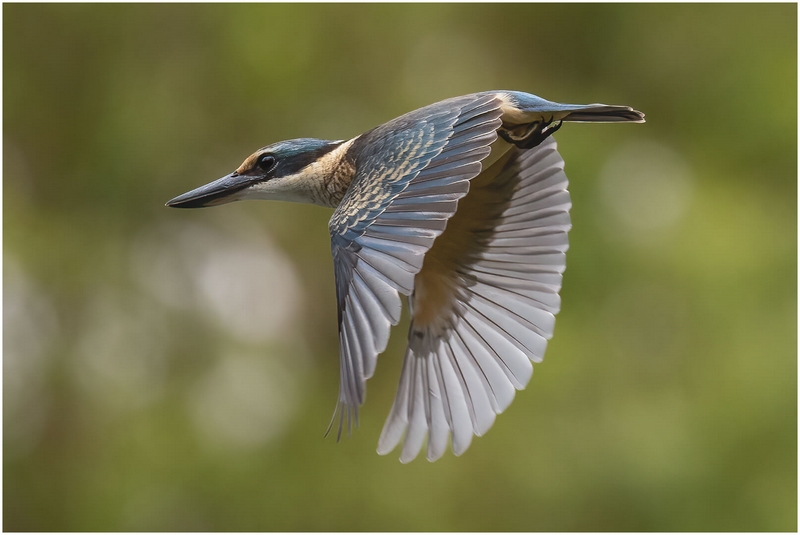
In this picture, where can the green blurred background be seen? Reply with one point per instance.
(174, 370)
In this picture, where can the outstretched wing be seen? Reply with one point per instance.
(484, 304)
(410, 173)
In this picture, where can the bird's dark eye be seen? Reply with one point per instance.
(266, 162)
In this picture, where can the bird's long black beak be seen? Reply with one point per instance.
(220, 191)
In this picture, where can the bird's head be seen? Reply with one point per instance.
(284, 171)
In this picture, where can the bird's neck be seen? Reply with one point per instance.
(329, 177)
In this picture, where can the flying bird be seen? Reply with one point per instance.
(461, 206)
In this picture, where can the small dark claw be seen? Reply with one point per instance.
(535, 134)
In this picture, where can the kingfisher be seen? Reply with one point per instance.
(462, 207)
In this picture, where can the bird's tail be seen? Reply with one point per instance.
(523, 108)
(528, 120)
(602, 113)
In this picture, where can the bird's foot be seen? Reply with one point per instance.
(531, 135)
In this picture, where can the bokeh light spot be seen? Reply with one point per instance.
(646, 186)
(121, 355)
(242, 282)
(243, 401)
(30, 325)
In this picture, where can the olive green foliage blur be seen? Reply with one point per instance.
(173, 369)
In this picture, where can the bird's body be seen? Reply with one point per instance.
(463, 207)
